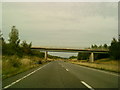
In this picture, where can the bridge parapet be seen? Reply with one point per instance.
(70, 50)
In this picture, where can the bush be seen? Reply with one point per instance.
(83, 56)
(15, 62)
(39, 62)
(115, 49)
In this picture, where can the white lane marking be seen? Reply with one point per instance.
(67, 70)
(24, 77)
(107, 72)
(88, 86)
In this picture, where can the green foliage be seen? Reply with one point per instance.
(14, 36)
(101, 55)
(1, 40)
(26, 48)
(15, 48)
(11, 48)
(105, 46)
(83, 56)
(72, 57)
(54, 57)
(115, 49)
(15, 62)
(14, 41)
(38, 53)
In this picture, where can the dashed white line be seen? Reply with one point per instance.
(23, 77)
(67, 70)
(88, 86)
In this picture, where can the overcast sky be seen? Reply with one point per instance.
(64, 25)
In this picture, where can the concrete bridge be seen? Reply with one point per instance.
(91, 51)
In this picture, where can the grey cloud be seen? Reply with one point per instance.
(62, 24)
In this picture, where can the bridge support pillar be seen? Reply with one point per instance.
(91, 58)
(46, 52)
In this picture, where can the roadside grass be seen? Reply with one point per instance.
(103, 64)
(12, 65)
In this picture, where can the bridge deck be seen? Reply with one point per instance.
(69, 50)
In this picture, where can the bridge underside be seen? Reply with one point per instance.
(91, 51)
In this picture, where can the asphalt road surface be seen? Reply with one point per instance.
(59, 74)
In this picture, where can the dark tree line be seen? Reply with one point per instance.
(114, 51)
(83, 56)
(105, 46)
(14, 47)
(72, 57)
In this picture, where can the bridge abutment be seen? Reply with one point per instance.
(46, 54)
(91, 58)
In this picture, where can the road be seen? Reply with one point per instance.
(59, 74)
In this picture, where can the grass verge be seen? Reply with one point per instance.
(12, 65)
(102, 64)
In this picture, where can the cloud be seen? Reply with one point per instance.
(62, 24)
(0, 16)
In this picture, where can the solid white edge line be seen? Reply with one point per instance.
(23, 77)
(94, 69)
(88, 86)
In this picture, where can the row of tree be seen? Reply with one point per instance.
(114, 51)
(14, 47)
(85, 56)
(105, 46)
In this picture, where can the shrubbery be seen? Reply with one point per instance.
(14, 47)
(15, 61)
(83, 56)
(114, 51)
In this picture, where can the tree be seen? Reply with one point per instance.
(72, 57)
(12, 48)
(1, 40)
(115, 49)
(105, 46)
(14, 36)
(119, 38)
(26, 47)
(82, 56)
(2, 43)
(100, 47)
(113, 42)
(94, 46)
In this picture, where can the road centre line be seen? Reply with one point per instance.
(24, 77)
(88, 86)
(67, 70)
(64, 67)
